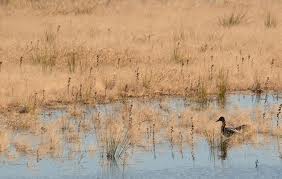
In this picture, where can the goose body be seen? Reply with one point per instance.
(229, 131)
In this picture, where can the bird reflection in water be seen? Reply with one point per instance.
(223, 148)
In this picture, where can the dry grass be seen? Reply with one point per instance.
(95, 61)
(56, 53)
(270, 20)
(235, 18)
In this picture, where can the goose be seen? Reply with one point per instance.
(228, 131)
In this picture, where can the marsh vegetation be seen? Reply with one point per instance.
(91, 79)
(92, 52)
(116, 137)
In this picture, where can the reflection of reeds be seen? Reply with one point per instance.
(181, 144)
(154, 141)
(278, 115)
(23, 148)
(211, 138)
(192, 139)
(278, 147)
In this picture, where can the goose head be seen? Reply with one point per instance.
(222, 119)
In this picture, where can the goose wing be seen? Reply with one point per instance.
(242, 127)
(232, 130)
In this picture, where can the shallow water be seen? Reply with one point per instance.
(259, 159)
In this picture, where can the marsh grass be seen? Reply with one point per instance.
(106, 70)
(270, 20)
(55, 6)
(44, 52)
(115, 148)
(232, 19)
(22, 122)
(61, 65)
(222, 85)
(211, 138)
(138, 127)
(178, 48)
(201, 93)
(176, 56)
(257, 86)
(114, 139)
(147, 80)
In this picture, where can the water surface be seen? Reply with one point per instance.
(162, 159)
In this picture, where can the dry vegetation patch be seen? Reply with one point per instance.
(56, 53)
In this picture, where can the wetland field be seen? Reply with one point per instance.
(133, 88)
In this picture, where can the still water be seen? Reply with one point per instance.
(262, 159)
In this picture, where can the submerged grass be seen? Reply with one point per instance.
(114, 139)
(136, 126)
(115, 148)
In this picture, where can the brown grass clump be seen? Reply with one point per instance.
(115, 140)
(270, 20)
(235, 18)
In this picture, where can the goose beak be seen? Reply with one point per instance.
(218, 120)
